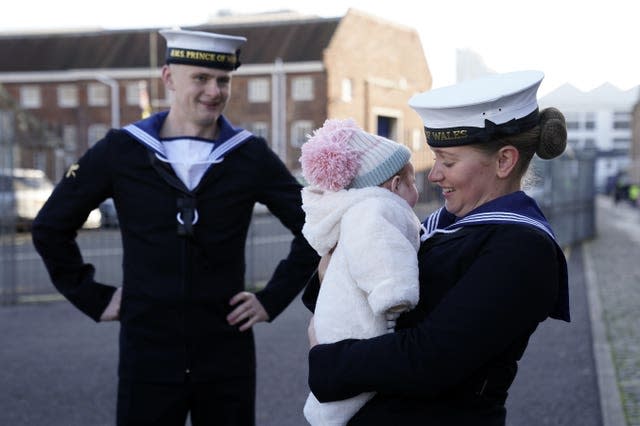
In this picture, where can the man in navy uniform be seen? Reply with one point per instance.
(184, 182)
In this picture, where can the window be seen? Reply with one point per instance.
(573, 125)
(302, 89)
(299, 131)
(260, 129)
(572, 120)
(67, 96)
(621, 120)
(96, 132)
(590, 121)
(416, 139)
(137, 94)
(30, 97)
(387, 127)
(258, 90)
(98, 94)
(70, 137)
(347, 90)
(621, 143)
(590, 143)
(133, 91)
(40, 160)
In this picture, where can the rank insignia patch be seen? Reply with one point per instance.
(72, 170)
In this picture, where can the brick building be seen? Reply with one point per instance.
(296, 72)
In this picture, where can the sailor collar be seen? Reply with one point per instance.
(514, 208)
(517, 207)
(147, 133)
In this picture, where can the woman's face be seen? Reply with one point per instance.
(466, 176)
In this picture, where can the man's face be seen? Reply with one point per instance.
(200, 94)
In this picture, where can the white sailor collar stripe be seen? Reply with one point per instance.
(216, 155)
(146, 139)
(430, 226)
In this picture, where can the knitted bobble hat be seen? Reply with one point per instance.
(340, 155)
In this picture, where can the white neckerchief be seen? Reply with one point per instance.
(189, 158)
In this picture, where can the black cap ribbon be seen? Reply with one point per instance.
(456, 136)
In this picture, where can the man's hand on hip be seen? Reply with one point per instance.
(247, 307)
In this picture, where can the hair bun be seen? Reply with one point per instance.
(553, 134)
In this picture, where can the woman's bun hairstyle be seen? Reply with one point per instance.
(553, 134)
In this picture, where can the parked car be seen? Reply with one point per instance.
(23, 192)
(109, 214)
(94, 220)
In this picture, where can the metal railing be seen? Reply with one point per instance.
(565, 191)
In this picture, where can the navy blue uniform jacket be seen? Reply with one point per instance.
(176, 289)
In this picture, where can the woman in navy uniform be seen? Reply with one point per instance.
(490, 268)
(184, 182)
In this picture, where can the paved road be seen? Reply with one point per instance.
(58, 368)
(612, 264)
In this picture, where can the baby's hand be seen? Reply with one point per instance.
(392, 315)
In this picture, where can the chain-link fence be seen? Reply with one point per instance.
(564, 189)
(25, 279)
(7, 209)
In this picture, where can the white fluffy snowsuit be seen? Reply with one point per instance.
(373, 268)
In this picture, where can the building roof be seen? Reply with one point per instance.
(291, 41)
(605, 96)
(298, 40)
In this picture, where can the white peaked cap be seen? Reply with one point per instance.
(454, 114)
(203, 48)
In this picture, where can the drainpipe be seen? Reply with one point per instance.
(278, 110)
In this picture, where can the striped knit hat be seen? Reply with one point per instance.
(340, 155)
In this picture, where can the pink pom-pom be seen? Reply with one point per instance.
(327, 160)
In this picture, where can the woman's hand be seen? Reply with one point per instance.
(311, 331)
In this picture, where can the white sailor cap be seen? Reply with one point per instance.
(479, 110)
(203, 49)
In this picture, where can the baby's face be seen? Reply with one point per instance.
(406, 186)
(403, 184)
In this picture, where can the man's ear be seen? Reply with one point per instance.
(167, 77)
(507, 159)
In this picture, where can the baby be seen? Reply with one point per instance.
(359, 208)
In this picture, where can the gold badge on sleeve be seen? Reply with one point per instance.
(72, 170)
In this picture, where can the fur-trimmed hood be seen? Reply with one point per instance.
(325, 209)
